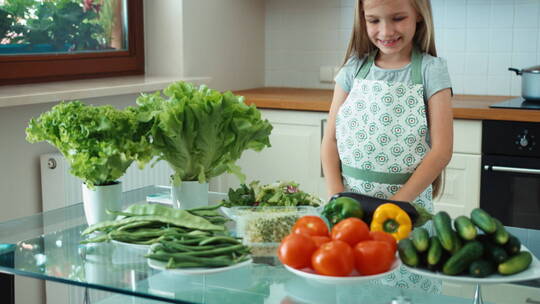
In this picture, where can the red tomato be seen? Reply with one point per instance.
(372, 257)
(296, 250)
(385, 237)
(310, 224)
(319, 240)
(334, 258)
(351, 230)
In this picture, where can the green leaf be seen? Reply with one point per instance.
(99, 143)
(201, 132)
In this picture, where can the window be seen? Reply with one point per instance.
(48, 40)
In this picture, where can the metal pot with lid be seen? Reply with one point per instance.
(530, 82)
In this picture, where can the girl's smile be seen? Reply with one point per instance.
(389, 43)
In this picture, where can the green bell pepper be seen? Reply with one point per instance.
(341, 208)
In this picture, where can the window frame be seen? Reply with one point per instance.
(18, 69)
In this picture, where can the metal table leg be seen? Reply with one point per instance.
(478, 295)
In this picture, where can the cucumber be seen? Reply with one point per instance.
(420, 239)
(462, 259)
(458, 243)
(483, 220)
(435, 251)
(443, 227)
(465, 228)
(513, 245)
(481, 268)
(408, 253)
(492, 251)
(515, 264)
(500, 236)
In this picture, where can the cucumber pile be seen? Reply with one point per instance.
(478, 246)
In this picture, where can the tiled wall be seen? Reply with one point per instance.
(480, 39)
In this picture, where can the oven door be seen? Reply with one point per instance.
(510, 190)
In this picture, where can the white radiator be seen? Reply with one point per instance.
(59, 188)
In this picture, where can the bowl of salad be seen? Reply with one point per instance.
(265, 214)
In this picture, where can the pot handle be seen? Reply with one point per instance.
(518, 72)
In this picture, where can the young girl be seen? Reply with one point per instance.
(389, 131)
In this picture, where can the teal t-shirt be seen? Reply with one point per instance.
(434, 74)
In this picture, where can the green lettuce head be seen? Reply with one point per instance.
(201, 132)
(99, 142)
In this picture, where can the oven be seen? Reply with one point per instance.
(510, 179)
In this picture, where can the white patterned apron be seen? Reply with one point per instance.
(382, 136)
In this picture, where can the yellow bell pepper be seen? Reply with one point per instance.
(391, 219)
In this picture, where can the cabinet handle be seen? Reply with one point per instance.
(512, 169)
(323, 125)
(531, 301)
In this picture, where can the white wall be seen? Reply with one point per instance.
(225, 40)
(479, 38)
(163, 41)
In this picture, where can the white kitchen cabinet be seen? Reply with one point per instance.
(461, 190)
(294, 155)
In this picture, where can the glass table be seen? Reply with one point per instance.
(47, 247)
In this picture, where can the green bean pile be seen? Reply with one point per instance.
(183, 238)
(149, 223)
(203, 251)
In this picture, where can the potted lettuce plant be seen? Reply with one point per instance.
(201, 133)
(99, 143)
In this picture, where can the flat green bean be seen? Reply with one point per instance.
(211, 252)
(134, 225)
(97, 239)
(219, 239)
(213, 207)
(187, 220)
(174, 246)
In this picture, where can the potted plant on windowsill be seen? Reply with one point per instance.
(29, 26)
(99, 143)
(201, 133)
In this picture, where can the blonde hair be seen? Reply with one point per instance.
(424, 38)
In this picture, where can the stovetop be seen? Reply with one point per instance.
(517, 103)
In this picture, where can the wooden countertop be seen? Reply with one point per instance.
(464, 106)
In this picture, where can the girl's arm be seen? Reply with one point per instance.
(442, 141)
(329, 154)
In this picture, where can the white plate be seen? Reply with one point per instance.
(531, 273)
(354, 278)
(159, 265)
(132, 246)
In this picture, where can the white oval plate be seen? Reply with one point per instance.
(310, 274)
(159, 265)
(531, 273)
(132, 246)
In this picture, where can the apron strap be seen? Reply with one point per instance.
(416, 66)
(374, 176)
(366, 65)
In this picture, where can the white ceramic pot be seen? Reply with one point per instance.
(189, 195)
(100, 199)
